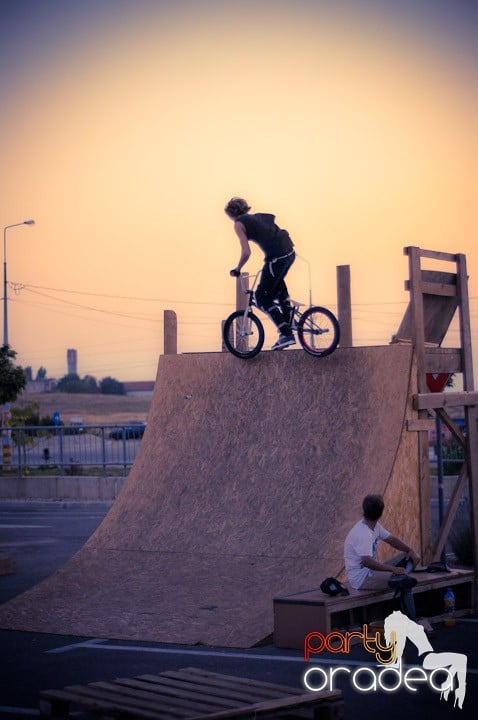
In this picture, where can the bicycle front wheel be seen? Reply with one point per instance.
(318, 331)
(243, 335)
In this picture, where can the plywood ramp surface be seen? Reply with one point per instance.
(249, 475)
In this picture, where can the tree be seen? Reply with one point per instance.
(73, 384)
(90, 384)
(70, 383)
(13, 378)
(110, 386)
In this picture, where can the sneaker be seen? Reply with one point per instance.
(283, 342)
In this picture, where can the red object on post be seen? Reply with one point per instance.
(437, 381)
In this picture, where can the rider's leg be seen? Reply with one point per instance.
(280, 270)
(265, 296)
(272, 288)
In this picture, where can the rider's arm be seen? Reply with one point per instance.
(398, 544)
(369, 562)
(245, 247)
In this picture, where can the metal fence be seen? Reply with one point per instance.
(64, 450)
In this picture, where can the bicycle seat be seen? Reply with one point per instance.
(296, 303)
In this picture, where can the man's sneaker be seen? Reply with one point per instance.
(283, 342)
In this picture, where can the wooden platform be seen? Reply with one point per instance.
(191, 694)
(314, 611)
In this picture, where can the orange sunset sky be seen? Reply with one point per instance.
(126, 126)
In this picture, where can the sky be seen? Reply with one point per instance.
(126, 125)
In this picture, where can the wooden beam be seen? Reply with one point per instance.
(420, 425)
(344, 305)
(465, 327)
(471, 419)
(451, 425)
(431, 288)
(471, 412)
(435, 254)
(443, 360)
(438, 289)
(431, 401)
(424, 490)
(455, 498)
(170, 333)
(416, 332)
(416, 308)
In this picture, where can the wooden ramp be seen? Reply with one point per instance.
(248, 478)
(190, 694)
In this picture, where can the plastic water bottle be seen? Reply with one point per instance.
(449, 602)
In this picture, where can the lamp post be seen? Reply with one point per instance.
(5, 297)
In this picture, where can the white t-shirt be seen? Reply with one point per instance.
(361, 541)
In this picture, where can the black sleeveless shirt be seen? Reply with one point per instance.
(262, 229)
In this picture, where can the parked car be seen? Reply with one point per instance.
(133, 431)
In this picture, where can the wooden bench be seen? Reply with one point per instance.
(313, 611)
(191, 694)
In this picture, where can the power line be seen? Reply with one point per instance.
(21, 286)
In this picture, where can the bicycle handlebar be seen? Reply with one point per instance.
(249, 276)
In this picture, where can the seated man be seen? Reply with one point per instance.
(364, 571)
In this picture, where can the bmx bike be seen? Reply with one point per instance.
(317, 328)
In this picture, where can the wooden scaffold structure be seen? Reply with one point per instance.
(435, 297)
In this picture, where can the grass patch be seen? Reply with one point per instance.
(94, 409)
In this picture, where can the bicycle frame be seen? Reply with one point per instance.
(246, 288)
(244, 326)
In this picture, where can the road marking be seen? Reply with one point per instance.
(7, 710)
(75, 646)
(27, 543)
(10, 527)
(99, 644)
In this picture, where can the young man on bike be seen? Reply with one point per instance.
(271, 295)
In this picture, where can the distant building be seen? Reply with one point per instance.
(140, 387)
(40, 386)
(72, 362)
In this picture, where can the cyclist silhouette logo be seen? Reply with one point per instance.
(398, 628)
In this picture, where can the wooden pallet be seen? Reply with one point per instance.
(191, 694)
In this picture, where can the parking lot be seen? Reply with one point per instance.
(40, 537)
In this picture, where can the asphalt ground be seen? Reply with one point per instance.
(40, 537)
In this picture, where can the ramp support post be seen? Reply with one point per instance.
(344, 305)
(170, 333)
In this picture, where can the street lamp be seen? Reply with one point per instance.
(5, 297)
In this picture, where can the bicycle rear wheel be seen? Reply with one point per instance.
(318, 331)
(243, 336)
